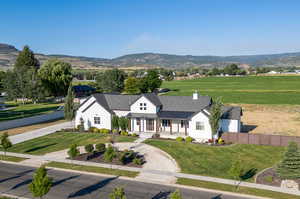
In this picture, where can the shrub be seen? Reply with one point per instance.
(115, 131)
(124, 133)
(93, 130)
(134, 135)
(89, 148)
(100, 147)
(73, 151)
(189, 139)
(221, 141)
(104, 131)
(110, 154)
(122, 157)
(138, 161)
(179, 139)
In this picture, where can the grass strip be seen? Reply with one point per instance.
(93, 169)
(11, 159)
(231, 188)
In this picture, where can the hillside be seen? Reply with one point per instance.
(9, 53)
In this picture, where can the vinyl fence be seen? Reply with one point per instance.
(259, 139)
(31, 120)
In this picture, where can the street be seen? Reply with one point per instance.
(14, 179)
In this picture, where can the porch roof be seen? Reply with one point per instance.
(142, 115)
(181, 115)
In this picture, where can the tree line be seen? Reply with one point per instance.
(30, 80)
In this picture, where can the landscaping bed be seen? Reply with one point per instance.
(270, 177)
(99, 158)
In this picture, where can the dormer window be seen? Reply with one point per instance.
(143, 106)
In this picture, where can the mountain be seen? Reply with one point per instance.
(8, 54)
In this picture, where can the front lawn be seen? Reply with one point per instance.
(27, 110)
(62, 140)
(215, 161)
(11, 158)
(231, 188)
(93, 169)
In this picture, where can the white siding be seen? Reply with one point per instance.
(201, 135)
(135, 127)
(150, 108)
(231, 125)
(121, 113)
(176, 127)
(96, 110)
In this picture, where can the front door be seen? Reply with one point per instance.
(149, 124)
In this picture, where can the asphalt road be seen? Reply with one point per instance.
(15, 179)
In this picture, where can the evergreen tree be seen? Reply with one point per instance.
(41, 183)
(123, 123)
(176, 195)
(26, 59)
(118, 193)
(215, 116)
(5, 142)
(69, 104)
(115, 122)
(289, 167)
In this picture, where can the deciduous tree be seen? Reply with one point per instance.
(5, 142)
(132, 86)
(111, 80)
(118, 193)
(176, 195)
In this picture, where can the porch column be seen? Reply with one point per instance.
(185, 129)
(171, 127)
(157, 121)
(129, 124)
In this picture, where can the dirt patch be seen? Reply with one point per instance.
(271, 119)
(269, 177)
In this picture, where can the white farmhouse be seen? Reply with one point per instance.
(169, 116)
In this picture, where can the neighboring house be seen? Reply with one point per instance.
(165, 115)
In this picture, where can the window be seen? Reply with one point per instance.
(199, 126)
(96, 120)
(143, 106)
(165, 123)
(138, 121)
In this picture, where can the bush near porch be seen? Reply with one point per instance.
(215, 161)
(62, 140)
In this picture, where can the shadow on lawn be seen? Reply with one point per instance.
(249, 174)
(39, 147)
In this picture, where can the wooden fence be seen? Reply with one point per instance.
(259, 139)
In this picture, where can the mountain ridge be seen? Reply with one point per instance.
(8, 54)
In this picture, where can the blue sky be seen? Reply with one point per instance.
(111, 28)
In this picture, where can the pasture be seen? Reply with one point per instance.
(242, 90)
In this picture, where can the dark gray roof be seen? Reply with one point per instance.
(153, 98)
(184, 103)
(232, 112)
(175, 114)
(147, 115)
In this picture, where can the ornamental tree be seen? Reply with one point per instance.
(118, 193)
(41, 183)
(289, 167)
(5, 142)
(73, 151)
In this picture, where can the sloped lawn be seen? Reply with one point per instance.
(215, 161)
(62, 140)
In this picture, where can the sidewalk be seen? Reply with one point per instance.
(156, 172)
(39, 132)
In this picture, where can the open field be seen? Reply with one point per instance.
(27, 110)
(271, 119)
(24, 129)
(242, 90)
(62, 140)
(216, 161)
(231, 188)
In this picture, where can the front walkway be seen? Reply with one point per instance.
(39, 132)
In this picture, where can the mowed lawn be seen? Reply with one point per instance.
(242, 90)
(62, 140)
(216, 161)
(27, 110)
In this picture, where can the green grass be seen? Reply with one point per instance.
(93, 169)
(27, 110)
(231, 188)
(216, 161)
(247, 90)
(11, 158)
(62, 140)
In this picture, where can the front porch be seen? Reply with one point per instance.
(163, 126)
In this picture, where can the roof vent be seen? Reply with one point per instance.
(195, 95)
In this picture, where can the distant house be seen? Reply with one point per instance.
(166, 115)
